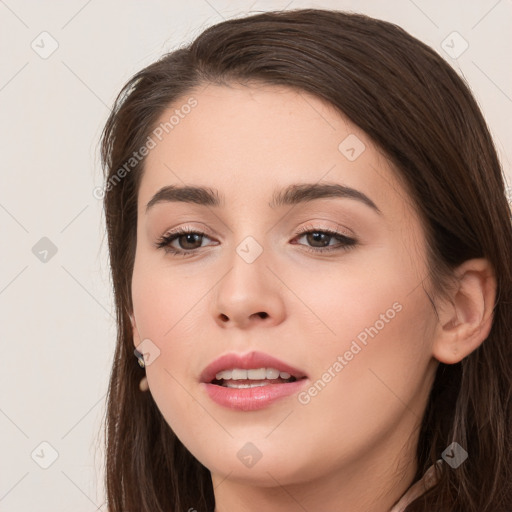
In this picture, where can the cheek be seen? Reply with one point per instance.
(169, 310)
(166, 301)
(374, 364)
(372, 345)
(355, 300)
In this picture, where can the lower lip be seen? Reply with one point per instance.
(252, 399)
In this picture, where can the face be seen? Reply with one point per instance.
(329, 281)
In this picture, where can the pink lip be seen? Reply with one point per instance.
(250, 399)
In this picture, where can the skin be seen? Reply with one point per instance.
(352, 446)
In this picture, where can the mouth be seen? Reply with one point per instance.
(252, 381)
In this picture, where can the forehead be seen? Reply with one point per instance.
(247, 141)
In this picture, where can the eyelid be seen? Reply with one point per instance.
(314, 226)
(188, 228)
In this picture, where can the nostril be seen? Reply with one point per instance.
(261, 314)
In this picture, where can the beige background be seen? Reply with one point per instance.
(57, 314)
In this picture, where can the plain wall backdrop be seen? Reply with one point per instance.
(63, 63)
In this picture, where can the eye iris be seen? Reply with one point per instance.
(317, 236)
(192, 235)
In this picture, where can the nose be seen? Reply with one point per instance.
(249, 295)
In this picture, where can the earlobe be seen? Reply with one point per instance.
(466, 321)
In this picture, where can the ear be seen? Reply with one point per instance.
(135, 331)
(465, 319)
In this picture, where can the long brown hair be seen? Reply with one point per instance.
(425, 120)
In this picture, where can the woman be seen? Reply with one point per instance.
(310, 247)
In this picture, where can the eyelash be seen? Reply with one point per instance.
(164, 242)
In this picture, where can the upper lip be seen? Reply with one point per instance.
(250, 360)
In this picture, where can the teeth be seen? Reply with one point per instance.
(253, 374)
(237, 374)
(272, 373)
(259, 374)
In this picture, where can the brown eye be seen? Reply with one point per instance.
(318, 240)
(189, 240)
(319, 237)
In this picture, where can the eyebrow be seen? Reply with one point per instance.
(291, 195)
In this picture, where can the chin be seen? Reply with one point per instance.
(268, 471)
